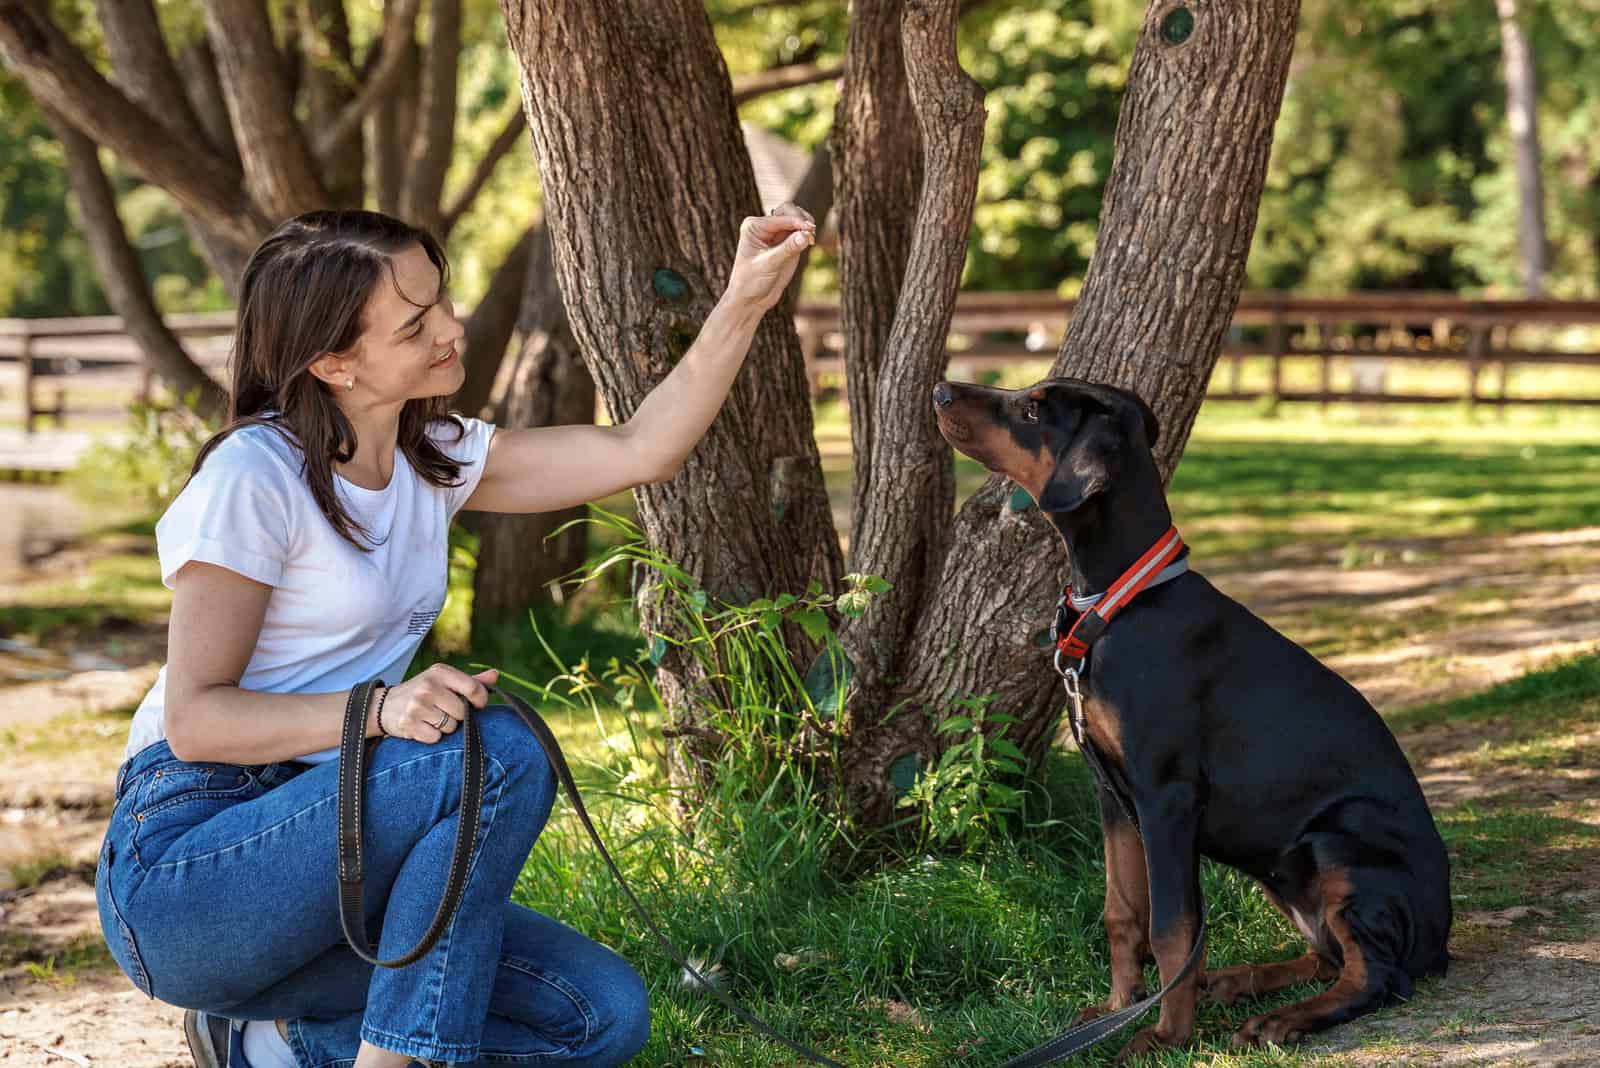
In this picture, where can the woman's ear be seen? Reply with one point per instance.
(333, 369)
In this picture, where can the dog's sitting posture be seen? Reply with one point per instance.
(1223, 737)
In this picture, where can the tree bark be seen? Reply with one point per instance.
(639, 93)
(421, 196)
(901, 531)
(493, 322)
(58, 76)
(197, 65)
(1522, 119)
(118, 266)
(278, 168)
(143, 66)
(393, 121)
(330, 70)
(548, 385)
(1180, 207)
(876, 182)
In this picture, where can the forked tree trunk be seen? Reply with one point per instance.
(902, 518)
(646, 178)
(1192, 144)
(634, 129)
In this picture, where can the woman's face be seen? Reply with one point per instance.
(410, 340)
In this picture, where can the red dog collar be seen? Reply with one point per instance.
(1145, 572)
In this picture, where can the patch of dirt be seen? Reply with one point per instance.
(1503, 607)
(1523, 991)
(1532, 1002)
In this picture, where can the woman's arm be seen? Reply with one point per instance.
(545, 469)
(215, 623)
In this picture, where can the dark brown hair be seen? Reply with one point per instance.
(302, 295)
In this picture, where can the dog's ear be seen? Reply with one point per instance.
(1084, 467)
(1152, 425)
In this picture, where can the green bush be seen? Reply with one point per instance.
(146, 466)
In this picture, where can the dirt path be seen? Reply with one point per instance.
(1412, 623)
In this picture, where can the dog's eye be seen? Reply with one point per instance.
(1030, 413)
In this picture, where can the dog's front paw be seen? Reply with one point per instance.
(1148, 1041)
(1110, 1005)
(1282, 1027)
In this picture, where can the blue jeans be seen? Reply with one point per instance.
(218, 891)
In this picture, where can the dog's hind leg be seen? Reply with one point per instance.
(1227, 985)
(1368, 976)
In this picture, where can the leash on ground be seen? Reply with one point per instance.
(352, 873)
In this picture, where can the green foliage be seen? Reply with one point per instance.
(1054, 79)
(147, 466)
(964, 800)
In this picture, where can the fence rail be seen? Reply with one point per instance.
(1367, 331)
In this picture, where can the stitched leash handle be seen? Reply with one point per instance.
(352, 775)
(352, 868)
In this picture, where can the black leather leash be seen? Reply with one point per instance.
(352, 873)
(352, 770)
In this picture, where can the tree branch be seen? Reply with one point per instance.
(119, 270)
(461, 203)
(278, 168)
(749, 86)
(902, 536)
(59, 76)
(436, 126)
(399, 28)
(142, 65)
(493, 322)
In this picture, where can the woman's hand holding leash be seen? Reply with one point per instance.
(431, 705)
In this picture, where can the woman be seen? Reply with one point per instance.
(306, 555)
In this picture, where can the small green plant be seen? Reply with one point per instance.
(965, 799)
(150, 462)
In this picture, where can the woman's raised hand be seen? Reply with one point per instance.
(770, 247)
(431, 705)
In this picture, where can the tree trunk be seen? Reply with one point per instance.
(901, 529)
(547, 385)
(120, 273)
(1180, 207)
(876, 182)
(278, 168)
(492, 324)
(330, 66)
(638, 92)
(436, 122)
(1522, 118)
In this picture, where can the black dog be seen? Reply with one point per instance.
(1225, 738)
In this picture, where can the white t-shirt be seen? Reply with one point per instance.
(337, 615)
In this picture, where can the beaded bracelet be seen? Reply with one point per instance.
(383, 695)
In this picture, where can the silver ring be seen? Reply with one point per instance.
(444, 717)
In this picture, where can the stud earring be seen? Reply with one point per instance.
(349, 383)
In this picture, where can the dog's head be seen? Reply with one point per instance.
(1063, 440)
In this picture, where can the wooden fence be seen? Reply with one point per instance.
(1363, 333)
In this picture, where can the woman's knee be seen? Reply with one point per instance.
(622, 1007)
(516, 758)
